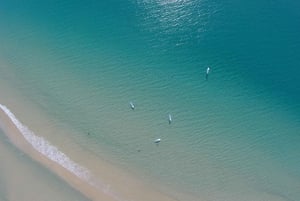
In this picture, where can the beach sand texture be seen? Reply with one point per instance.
(114, 185)
(23, 179)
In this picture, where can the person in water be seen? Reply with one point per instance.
(207, 72)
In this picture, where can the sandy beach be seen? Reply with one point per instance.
(21, 178)
(104, 182)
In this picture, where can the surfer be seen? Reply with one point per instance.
(207, 72)
(157, 141)
(170, 119)
(132, 105)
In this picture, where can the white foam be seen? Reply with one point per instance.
(53, 153)
(45, 148)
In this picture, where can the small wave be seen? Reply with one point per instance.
(52, 152)
(48, 150)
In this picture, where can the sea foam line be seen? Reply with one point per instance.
(52, 152)
(48, 150)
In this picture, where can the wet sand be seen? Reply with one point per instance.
(106, 182)
(21, 178)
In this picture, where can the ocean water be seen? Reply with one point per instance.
(234, 136)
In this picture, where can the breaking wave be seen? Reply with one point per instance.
(53, 153)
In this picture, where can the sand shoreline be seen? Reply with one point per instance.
(20, 142)
(105, 182)
(18, 170)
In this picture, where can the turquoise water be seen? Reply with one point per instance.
(234, 136)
